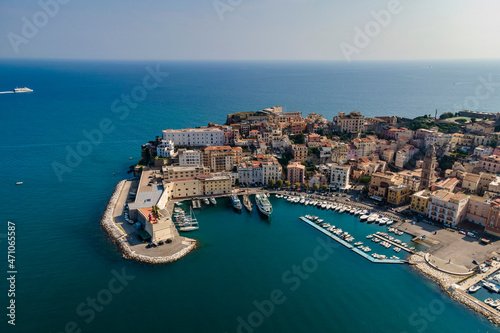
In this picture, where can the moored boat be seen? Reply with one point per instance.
(263, 204)
(235, 201)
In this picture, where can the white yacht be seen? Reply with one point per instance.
(263, 204)
(22, 90)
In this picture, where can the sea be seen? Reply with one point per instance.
(73, 138)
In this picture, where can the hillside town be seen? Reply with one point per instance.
(444, 169)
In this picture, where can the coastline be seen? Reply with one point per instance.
(119, 236)
(449, 285)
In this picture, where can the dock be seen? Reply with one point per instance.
(350, 246)
(393, 243)
(196, 204)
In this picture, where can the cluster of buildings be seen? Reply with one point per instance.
(398, 165)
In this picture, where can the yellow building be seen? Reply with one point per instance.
(215, 184)
(398, 194)
(176, 172)
(380, 184)
(221, 158)
(420, 202)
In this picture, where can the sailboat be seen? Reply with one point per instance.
(190, 222)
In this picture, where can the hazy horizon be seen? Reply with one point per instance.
(249, 30)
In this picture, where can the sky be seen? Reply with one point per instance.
(249, 29)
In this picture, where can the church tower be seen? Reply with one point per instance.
(428, 179)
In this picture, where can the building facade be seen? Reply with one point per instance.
(296, 172)
(352, 123)
(195, 136)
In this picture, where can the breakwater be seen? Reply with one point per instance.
(449, 285)
(119, 236)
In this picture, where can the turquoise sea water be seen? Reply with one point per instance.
(64, 259)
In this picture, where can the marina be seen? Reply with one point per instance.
(350, 246)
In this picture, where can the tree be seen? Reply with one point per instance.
(316, 187)
(237, 182)
(307, 185)
(270, 182)
(298, 139)
(297, 185)
(365, 180)
(324, 187)
(446, 115)
(279, 183)
(287, 183)
(461, 120)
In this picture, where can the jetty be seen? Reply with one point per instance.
(247, 203)
(350, 246)
(393, 243)
(196, 204)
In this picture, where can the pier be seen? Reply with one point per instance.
(393, 243)
(196, 204)
(350, 246)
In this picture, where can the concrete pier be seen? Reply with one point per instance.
(393, 243)
(350, 246)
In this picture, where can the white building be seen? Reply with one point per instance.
(339, 176)
(195, 136)
(259, 172)
(189, 157)
(250, 173)
(165, 148)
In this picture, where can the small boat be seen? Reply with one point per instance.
(130, 158)
(213, 201)
(363, 217)
(495, 303)
(358, 243)
(491, 287)
(488, 301)
(206, 201)
(190, 222)
(369, 236)
(474, 288)
(371, 219)
(22, 90)
(19, 183)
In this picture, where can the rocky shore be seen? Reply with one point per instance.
(448, 284)
(120, 237)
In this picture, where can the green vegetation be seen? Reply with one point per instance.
(324, 187)
(237, 182)
(342, 136)
(365, 180)
(271, 182)
(446, 115)
(279, 183)
(316, 187)
(285, 158)
(298, 139)
(461, 120)
(296, 185)
(448, 127)
(287, 183)
(313, 151)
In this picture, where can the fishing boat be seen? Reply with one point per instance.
(190, 222)
(235, 201)
(213, 201)
(263, 204)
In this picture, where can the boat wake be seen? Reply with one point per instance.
(6, 92)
